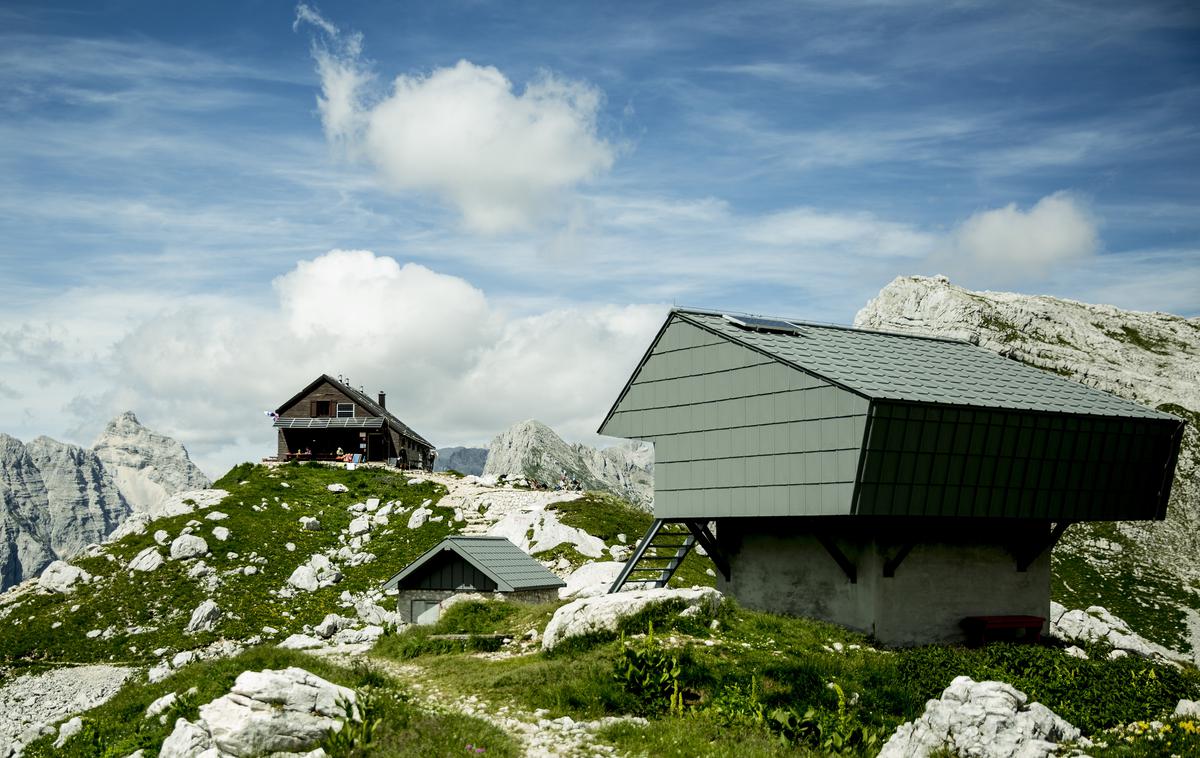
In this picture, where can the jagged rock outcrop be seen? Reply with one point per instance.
(531, 449)
(147, 466)
(1152, 358)
(57, 498)
(464, 460)
(985, 719)
(286, 711)
(83, 501)
(24, 504)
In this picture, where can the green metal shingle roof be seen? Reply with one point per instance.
(508, 565)
(887, 366)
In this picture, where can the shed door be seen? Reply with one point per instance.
(425, 612)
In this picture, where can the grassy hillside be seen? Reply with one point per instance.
(766, 685)
(146, 611)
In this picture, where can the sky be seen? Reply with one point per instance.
(487, 209)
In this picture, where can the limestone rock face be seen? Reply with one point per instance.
(464, 460)
(84, 502)
(603, 612)
(985, 719)
(25, 547)
(56, 498)
(146, 466)
(531, 449)
(1151, 358)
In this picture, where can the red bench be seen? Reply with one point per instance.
(983, 629)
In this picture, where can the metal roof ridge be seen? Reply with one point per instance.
(820, 324)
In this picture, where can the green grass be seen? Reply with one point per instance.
(739, 680)
(1150, 600)
(118, 727)
(1149, 342)
(160, 602)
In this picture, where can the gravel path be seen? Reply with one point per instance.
(540, 736)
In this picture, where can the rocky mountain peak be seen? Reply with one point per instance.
(533, 450)
(146, 466)
(1153, 358)
(57, 498)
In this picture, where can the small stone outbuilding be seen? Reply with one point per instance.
(462, 564)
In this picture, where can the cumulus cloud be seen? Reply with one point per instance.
(1058, 228)
(503, 158)
(456, 367)
(861, 234)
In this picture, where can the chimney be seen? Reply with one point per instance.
(382, 399)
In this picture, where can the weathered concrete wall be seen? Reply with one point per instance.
(953, 571)
(405, 598)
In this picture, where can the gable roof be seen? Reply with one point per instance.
(906, 367)
(510, 567)
(362, 399)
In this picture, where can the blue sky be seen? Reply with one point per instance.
(528, 186)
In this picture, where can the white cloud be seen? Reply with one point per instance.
(456, 367)
(502, 158)
(860, 234)
(1057, 229)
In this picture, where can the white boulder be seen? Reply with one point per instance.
(61, 576)
(188, 740)
(419, 517)
(331, 625)
(304, 578)
(265, 712)
(604, 612)
(67, 730)
(220, 533)
(160, 705)
(204, 618)
(309, 523)
(983, 719)
(337, 488)
(360, 525)
(162, 537)
(1097, 624)
(216, 516)
(591, 579)
(147, 560)
(301, 642)
(187, 546)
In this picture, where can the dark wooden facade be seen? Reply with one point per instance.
(328, 415)
(448, 571)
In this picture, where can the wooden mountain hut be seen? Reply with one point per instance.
(329, 415)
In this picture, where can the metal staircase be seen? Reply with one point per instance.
(663, 549)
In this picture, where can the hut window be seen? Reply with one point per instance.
(320, 408)
(345, 410)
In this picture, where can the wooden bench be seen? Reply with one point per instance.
(983, 629)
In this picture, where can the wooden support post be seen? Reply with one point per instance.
(848, 568)
(893, 563)
(1025, 558)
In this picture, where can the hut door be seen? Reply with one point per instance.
(425, 612)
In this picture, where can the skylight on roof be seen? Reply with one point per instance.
(773, 325)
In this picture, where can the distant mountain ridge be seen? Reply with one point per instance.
(464, 460)
(1146, 572)
(533, 450)
(56, 498)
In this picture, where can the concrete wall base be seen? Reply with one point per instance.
(953, 570)
(424, 598)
